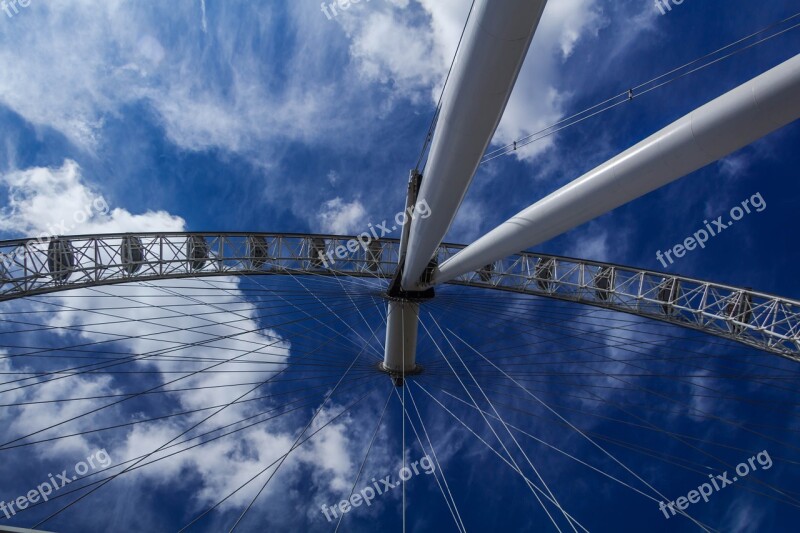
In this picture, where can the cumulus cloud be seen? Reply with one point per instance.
(412, 66)
(17, 421)
(341, 218)
(182, 325)
(59, 201)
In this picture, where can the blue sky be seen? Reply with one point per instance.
(212, 115)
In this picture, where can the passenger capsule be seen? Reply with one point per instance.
(60, 259)
(739, 308)
(131, 253)
(604, 282)
(544, 273)
(317, 252)
(257, 251)
(197, 252)
(668, 291)
(374, 256)
(5, 277)
(486, 273)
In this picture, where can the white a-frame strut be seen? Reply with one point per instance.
(496, 41)
(707, 134)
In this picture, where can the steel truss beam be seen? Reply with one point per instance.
(29, 268)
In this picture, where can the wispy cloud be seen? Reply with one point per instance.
(204, 21)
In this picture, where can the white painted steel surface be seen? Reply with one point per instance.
(495, 44)
(401, 337)
(732, 121)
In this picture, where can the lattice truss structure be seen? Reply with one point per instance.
(767, 322)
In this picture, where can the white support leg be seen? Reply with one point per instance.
(401, 338)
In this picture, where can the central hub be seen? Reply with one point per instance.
(402, 314)
(402, 323)
(399, 377)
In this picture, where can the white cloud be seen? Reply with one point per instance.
(208, 91)
(182, 324)
(49, 200)
(735, 165)
(204, 20)
(412, 65)
(470, 222)
(25, 419)
(744, 516)
(342, 218)
(538, 101)
(59, 201)
(595, 243)
(417, 62)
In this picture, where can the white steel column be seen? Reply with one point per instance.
(494, 47)
(732, 121)
(402, 324)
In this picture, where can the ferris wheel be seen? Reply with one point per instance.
(218, 334)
